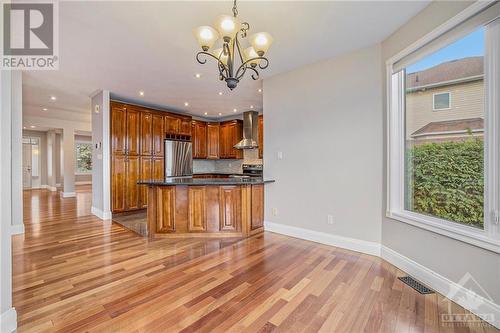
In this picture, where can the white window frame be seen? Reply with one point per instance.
(489, 237)
(434, 101)
(76, 158)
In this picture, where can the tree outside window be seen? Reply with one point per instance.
(83, 157)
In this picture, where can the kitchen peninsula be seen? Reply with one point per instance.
(205, 207)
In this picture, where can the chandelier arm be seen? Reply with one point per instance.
(239, 49)
(220, 64)
(245, 63)
(264, 60)
(243, 71)
(254, 76)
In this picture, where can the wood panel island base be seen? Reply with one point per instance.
(188, 207)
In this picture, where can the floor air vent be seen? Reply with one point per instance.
(416, 285)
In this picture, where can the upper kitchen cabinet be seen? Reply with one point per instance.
(199, 138)
(261, 136)
(213, 141)
(230, 133)
(158, 134)
(133, 131)
(177, 125)
(146, 136)
(118, 128)
(172, 124)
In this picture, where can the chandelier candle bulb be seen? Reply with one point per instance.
(261, 42)
(206, 36)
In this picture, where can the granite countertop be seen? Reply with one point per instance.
(205, 181)
(218, 173)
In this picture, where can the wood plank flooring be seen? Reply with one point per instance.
(74, 272)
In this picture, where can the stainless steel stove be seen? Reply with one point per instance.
(253, 170)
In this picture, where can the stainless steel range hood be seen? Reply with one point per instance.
(250, 131)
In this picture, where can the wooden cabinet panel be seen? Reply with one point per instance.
(199, 138)
(146, 137)
(230, 208)
(118, 183)
(145, 174)
(197, 208)
(185, 126)
(118, 128)
(212, 141)
(257, 207)
(172, 124)
(157, 169)
(132, 190)
(230, 133)
(158, 131)
(133, 131)
(261, 136)
(165, 209)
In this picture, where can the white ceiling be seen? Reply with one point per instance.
(126, 47)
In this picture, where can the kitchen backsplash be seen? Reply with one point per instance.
(250, 156)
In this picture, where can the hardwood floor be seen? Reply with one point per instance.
(74, 272)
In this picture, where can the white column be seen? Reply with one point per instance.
(17, 152)
(8, 314)
(101, 156)
(51, 160)
(68, 162)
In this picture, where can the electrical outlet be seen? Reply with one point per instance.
(280, 155)
(330, 219)
(275, 211)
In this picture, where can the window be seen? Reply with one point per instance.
(83, 157)
(441, 101)
(443, 167)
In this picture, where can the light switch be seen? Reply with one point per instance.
(280, 155)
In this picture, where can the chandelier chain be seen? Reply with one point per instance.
(235, 9)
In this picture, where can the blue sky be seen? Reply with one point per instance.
(469, 46)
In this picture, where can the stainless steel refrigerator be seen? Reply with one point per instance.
(178, 158)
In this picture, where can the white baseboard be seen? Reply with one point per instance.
(100, 214)
(455, 291)
(68, 194)
(84, 183)
(17, 229)
(8, 321)
(353, 244)
(58, 185)
(50, 188)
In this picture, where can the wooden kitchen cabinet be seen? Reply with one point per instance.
(230, 133)
(146, 173)
(172, 124)
(146, 136)
(133, 131)
(261, 136)
(124, 189)
(132, 189)
(157, 169)
(185, 126)
(118, 128)
(118, 183)
(158, 134)
(257, 194)
(213, 141)
(199, 138)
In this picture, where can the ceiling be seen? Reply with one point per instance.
(127, 47)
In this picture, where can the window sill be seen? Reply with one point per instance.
(463, 233)
(84, 174)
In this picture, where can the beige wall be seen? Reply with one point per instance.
(326, 119)
(446, 256)
(467, 101)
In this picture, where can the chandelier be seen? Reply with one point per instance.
(230, 55)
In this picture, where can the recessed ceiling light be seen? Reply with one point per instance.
(206, 113)
(186, 104)
(141, 93)
(260, 90)
(32, 126)
(24, 127)
(197, 75)
(220, 114)
(220, 93)
(53, 98)
(235, 110)
(251, 106)
(44, 109)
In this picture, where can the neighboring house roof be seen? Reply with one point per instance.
(465, 69)
(451, 126)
